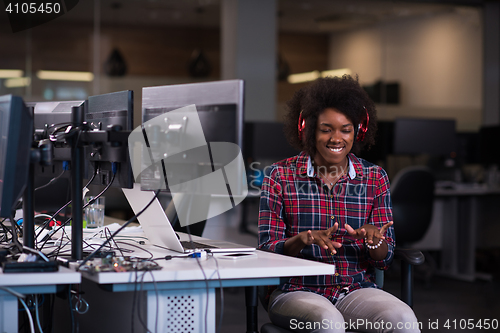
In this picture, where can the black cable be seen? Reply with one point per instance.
(204, 277)
(139, 247)
(50, 181)
(221, 316)
(60, 209)
(15, 240)
(133, 300)
(84, 206)
(142, 240)
(104, 190)
(71, 310)
(157, 300)
(106, 230)
(5, 229)
(139, 304)
(50, 315)
(138, 301)
(133, 218)
(54, 137)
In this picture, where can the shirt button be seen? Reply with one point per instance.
(331, 196)
(337, 274)
(332, 217)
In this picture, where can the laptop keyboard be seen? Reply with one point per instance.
(194, 245)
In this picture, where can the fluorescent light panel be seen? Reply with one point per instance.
(336, 72)
(10, 73)
(17, 82)
(303, 77)
(311, 76)
(65, 76)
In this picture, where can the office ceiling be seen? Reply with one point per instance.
(313, 16)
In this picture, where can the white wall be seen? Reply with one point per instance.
(437, 61)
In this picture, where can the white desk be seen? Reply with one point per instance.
(178, 292)
(29, 283)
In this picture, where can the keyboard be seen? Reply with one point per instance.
(195, 245)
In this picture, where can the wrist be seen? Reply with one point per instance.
(374, 246)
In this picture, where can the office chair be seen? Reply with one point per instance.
(412, 194)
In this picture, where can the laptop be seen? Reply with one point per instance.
(157, 227)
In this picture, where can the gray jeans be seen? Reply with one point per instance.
(363, 310)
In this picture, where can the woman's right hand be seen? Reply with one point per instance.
(322, 238)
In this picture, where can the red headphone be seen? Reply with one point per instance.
(360, 132)
(363, 127)
(302, 124)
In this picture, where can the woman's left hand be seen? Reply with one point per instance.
(372, 234)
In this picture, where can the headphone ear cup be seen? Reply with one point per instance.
(361, 132)
(363, 128)
(302, 125)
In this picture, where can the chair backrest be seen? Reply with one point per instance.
(412, 193)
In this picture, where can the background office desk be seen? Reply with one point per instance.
(463, 215)
(29, 283)
(178, 293)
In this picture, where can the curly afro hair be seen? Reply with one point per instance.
(341, 93)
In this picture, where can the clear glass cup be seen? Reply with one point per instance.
(93, 214)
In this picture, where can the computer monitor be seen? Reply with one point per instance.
(52, 118)
(193, 135)
(114, 112)
(16, 128)
(414, 136)
(219, 108)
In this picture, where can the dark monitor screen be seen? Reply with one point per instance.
(52, 118)
(424, 136)
(383, 146)
(217, 107)
(489, 143)
(16, 129)
(266, 142)
(105, 112)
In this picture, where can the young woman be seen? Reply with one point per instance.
(328, 205)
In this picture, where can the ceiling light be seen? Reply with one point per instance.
(65, 76)
(17, 82)
(311, 76)
(9, 73)
(336, 72)
(303, 77)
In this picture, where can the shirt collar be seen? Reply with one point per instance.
(311, 173)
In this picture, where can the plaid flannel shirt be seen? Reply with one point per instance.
(294, 199)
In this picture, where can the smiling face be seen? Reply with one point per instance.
(334, 139)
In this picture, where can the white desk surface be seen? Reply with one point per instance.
(263, 265)
(63, 276)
